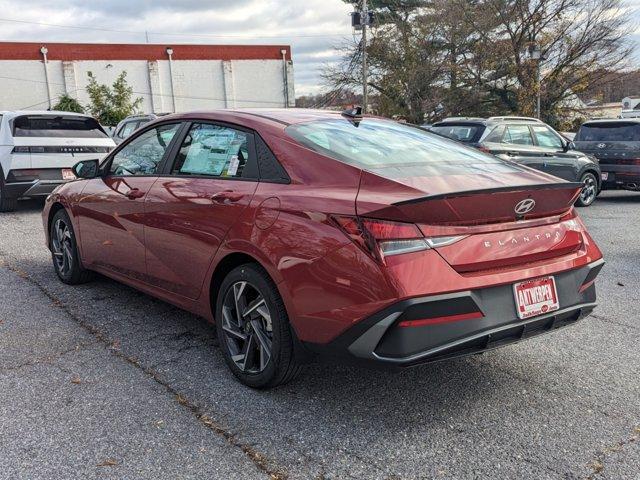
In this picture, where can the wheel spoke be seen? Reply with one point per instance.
(229, 326)
(264, 342)
(246, 324)
(238, 290)
(258, 302)
(264, 313)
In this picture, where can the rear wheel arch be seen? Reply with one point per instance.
(55, 208)
(233, 260)
(223, 268)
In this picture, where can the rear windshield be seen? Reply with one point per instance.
(65, 126)
(462, 133)
(399, 148)
(610, 131)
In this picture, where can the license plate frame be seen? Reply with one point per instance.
(536, 297)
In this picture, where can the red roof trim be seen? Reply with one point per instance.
(111, 51)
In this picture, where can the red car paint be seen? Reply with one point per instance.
(167, 235)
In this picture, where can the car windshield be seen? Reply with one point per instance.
(65, 126)
(462, 133)
(399, 148)
(609, 132)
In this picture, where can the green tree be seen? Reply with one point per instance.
(112, 104)
(67, 103)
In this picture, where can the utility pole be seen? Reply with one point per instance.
(365, 74)
(535, 53)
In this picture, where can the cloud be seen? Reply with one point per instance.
(311, 27)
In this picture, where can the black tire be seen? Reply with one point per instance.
(6, 204)
(266, 321)
(589, 191)
(64, 251)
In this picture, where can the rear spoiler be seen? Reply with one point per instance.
(464, 193)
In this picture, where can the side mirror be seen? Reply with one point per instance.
(86, 169)
(569, 146)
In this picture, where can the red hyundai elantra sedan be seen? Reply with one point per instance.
(308, 233)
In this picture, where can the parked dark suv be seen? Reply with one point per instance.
(616, 143)
(530, 142)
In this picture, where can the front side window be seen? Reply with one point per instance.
(213, 150)
(142, 155)
(393, 149)
(546, 137)
(518, 135)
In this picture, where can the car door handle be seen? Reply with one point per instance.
(227, 196)
(134, 193)
(512, 154)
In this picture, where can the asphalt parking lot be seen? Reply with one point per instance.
(101, 381)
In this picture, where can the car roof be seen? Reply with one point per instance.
(488, 121)
(281, 117)
(612, 120)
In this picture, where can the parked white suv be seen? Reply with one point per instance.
(38, 149)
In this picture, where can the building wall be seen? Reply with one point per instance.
(197, 84)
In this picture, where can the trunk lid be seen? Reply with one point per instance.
(465, 200)
(481, 211)
(612, 152)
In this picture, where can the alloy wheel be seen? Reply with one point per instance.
(589, 190)
(247, 327)
(62, 247)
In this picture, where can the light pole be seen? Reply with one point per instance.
(365, 22)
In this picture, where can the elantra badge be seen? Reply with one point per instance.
(525, 206)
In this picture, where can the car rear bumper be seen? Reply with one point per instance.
(620, 176)
(39, 184)
(458, 328)
(37, 188)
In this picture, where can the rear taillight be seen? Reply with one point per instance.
(382, 238)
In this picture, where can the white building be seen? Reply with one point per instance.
(167, 77)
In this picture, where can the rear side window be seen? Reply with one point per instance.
(496, 134)
(127, 129)
(518, 135)
(213, 150)
(400, 149)
(609, 132)
(61, 126)
(462, 133)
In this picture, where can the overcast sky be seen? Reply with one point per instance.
(311, 27)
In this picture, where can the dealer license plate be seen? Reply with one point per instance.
(536, 297)
(67, 174)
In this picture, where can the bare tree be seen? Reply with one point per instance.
(473, 56)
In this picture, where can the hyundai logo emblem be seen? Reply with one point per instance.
(602, 145)
(525, 206)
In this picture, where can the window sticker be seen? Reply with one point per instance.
(233, 166)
